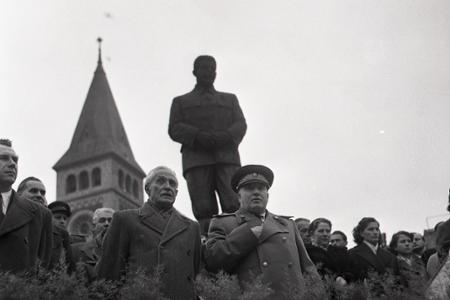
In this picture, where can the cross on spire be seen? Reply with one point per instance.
(99, 40)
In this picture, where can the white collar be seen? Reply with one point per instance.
(374, 248)
(6, 196)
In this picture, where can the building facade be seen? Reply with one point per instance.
(98, 169)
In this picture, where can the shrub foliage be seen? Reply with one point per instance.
(58, 284)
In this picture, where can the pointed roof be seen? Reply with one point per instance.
(99, 130)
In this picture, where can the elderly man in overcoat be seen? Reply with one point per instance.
(25, 226)
(88, 253)
(154, 237)
(210, 126)
(254, 242)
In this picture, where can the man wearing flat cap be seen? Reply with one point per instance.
(154, 237)
(254, 242)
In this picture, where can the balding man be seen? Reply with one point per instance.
(89, 252)
(155, 237)
(33, 189)
(25, 226)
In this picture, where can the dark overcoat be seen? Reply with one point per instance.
(363, 260)
(25, 235)
(136, 239)
(331, 262)
(61, 248)
(88, 254)
(194, 112)
(279, 254)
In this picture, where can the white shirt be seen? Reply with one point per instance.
(6, 196)
(374, 248)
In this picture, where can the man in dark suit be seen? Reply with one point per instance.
(252, 241)
(25, 226)
(33, 189)
(155, 237)
(210, 126)
(89, 252)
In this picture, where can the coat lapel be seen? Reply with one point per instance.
(366, 253)
(272, 225)
(19, 213)
(149, 218)
(89, 250)
(175, 226)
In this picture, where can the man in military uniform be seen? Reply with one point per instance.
(253, 241)
(210, 126)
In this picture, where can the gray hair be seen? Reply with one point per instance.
(158, 170)
(100, 210)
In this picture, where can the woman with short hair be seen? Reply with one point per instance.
(329, 260)
(367, 257)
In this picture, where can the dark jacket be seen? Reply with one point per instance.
(363, 261)
(331, 262)
(136, 239)
(25, 235)
(278, 255)
(61, 248)
(88, 254)
(443, 237)
(195, 112)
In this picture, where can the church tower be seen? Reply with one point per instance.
(98, 169)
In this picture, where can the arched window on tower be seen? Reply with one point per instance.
(96, 177)
(135, 188)
(128, 184)
(71, 184)
(120, 179)
(83, 178)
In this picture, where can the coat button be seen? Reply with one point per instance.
(275, 217)
(290, 264)
(284, 239)
(265, 263)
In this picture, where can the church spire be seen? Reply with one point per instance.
(99, 130)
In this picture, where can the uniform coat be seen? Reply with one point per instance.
(206, 110)
(279, 255)
(136, 239)
(25, 235)
(363, 260)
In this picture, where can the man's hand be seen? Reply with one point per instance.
(221, 138)
(205, 140)
(256, 226)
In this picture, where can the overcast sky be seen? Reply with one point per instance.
(347, 101)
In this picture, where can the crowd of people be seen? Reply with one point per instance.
(245, 240)
(251, 241)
